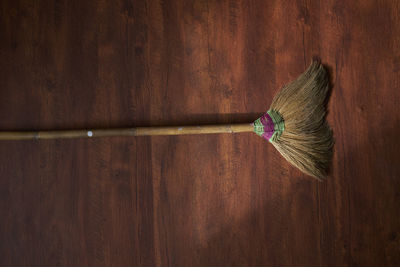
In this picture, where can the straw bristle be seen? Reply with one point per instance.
(307, 140)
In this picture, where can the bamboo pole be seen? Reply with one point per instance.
(135, 131)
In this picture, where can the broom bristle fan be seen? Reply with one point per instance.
(303, 136)
(294, 124)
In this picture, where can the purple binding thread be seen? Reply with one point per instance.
(266, 120)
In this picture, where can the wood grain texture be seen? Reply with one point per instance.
(215, 200)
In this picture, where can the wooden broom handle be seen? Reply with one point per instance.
(135, 131)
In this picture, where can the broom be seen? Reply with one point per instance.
(295, 125)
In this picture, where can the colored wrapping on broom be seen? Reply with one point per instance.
(270, 125)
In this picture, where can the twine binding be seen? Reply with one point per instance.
(270, 125)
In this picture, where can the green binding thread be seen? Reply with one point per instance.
(279, 124)
(258, 127)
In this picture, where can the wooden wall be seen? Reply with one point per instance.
(216, 200)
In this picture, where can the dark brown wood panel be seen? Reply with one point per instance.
(214, 200)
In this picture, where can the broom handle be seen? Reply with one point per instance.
(135, 131)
